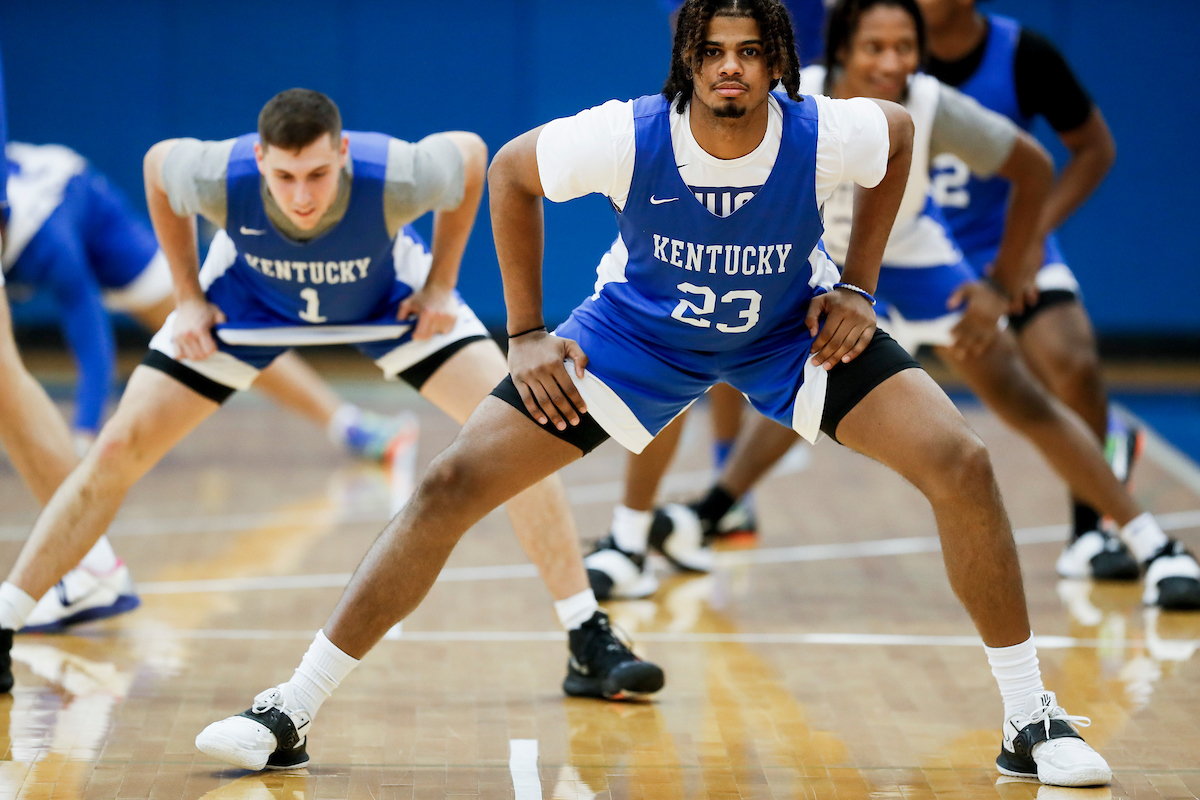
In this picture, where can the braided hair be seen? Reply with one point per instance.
(774, 25)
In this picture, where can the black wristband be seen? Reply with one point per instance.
(531, 330)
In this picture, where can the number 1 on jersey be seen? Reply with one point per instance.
(313, 312)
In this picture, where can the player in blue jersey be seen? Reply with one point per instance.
(934, 298)
(686, 298)
(1020, 74)
(71, 233)
(315, 247)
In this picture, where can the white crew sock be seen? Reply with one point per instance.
(15, 607)
(576, 609)
(1017, 672)
(631, 529)
(346, 415)
(101, 559)
(1143, 536)
(321, 670)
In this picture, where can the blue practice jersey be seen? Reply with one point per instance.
(975, 207)
(344, 276)
(697, 281)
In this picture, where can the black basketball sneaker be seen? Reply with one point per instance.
(602, 666)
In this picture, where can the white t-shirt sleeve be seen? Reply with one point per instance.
(852, 144)
(592, 151)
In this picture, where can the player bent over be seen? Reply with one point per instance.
(315, 249)
(687, 298)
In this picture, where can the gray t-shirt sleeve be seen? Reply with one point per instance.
(982, 138)
(193, 175)
(422, 176)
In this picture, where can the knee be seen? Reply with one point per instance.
(451, 483)
(117, 454)
(960, 468)
(1076, 373)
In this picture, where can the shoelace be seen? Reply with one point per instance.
(1046, 713)
(265, 701)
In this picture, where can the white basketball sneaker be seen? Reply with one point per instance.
(679, 534)
(82, 596)
(616, 574)
(1172, 579)
(267, 736)
(1041, 742)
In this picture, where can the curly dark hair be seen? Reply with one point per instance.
(774, 25)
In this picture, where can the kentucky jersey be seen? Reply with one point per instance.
(976, 208)
(699, 281)
(346, 275)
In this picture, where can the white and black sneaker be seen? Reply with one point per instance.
(1099, 556)
(741, 521)
(267, 736)
(616, 574)
(602, 666)
(683, 537)
(1172, 579)
(1041, 742)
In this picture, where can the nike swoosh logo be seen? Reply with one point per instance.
(654, 201)
(250, 231)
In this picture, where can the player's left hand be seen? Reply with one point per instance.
(980, 323)
(435, 308)
(849, 326)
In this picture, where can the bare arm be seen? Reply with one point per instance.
(536, 358)
(1093, 152)
(195, 316)
(435, 304)
(849, 318)
(1031, 172)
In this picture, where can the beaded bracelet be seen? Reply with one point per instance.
(870, 297)
(531, 330)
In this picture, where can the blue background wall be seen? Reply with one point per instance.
(110, 79)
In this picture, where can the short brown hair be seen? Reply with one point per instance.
(294, 119)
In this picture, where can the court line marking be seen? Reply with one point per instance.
(522, 763)
(768, 555)
(660, 637)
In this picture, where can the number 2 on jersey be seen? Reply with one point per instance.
(949, 181)
(708, 305)
(312, 313)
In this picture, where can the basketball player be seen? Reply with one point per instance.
(1021, 75)
(72, 233)
(874, 50)
(687, 298)
(315, 247)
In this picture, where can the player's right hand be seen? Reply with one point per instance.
(982, 306)
(192, 332)
(535, 361)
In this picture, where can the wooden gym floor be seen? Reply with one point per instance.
(831, 660)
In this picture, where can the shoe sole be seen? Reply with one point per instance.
(124, 604)
(1093, 777)
(1115, 567)
(227, 750)
(634, 681)
(1178, 594)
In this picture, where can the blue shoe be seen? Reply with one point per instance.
(378, 437)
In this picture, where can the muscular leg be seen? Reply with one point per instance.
(154, 414)
(762, 443)
(1006, 386)
(288, 380)
(541, 515)
(908, 424)
(644, 471)
(1060, 346)
(33, 433)
(498, 454)
(726, 405)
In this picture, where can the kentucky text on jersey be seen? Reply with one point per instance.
(310, 271)
(732, 258)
